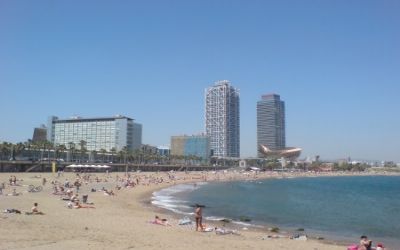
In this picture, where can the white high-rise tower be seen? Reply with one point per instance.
(222, 119)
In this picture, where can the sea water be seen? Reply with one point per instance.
(337, 207)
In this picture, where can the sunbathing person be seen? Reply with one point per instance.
(223, 231)
(12, 210)
(78, 205)
(35, 210)
(74, 198)
(106, 192)
(14, 193)
(159, 221)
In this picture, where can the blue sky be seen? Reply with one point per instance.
(336, 64)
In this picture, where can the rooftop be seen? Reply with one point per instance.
(80, 119)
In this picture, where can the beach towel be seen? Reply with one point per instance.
(30, 213)
(352, 247)
(208, 229)
(185, 221)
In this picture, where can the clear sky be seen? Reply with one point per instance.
(336, 64)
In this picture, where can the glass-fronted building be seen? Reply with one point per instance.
(163, 150)
(271, 122)
(195, 145)
(222, 119)
(99, 133)
(137, 136)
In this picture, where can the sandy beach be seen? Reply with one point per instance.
(119, 221)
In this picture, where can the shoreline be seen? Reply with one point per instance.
(316, 235)
(117, 222)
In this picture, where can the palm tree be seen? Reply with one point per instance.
(6, 149)
(35, 146)
(49, 146)
(59, 150)
(113, 151)
(83, 149)
(18, 149)
(41, 145)
(71, 147)
(135, 155)
(120, 156)
(93, 155)
(28, 146)
(125, 150)
(103, 153)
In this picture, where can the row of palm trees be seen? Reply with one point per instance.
(47, 151)
(30, 150)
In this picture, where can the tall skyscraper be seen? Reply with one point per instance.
(222, 119)
(271, 122)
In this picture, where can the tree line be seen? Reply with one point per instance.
(72, 152)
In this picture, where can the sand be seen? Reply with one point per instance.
(117, 222)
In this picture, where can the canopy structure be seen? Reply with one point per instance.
(89, 166)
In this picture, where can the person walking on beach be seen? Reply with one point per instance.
(199, 217)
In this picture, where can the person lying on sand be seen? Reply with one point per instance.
(14, 193)
(78, 205)
(163, 222)
(224, 231)
(274, 236)
(110, 193)
(12, 210)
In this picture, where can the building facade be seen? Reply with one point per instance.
(222, 119)
(99, 133)
(137, 136)
(195, 145)
(271, 122)
(164, 150)
(39, 134)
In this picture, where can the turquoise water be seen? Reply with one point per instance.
(345, 207)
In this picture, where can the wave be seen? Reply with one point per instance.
(167, 198)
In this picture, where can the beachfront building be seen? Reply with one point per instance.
(137, 136)
(194, 145)
(164, 150)
(149, 149)
(271, 123)
(109, 133)
(39, 134)
(222, 119)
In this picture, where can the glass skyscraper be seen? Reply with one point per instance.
(271, 122)
(98, 133)
(197, 145)
(222, 119)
